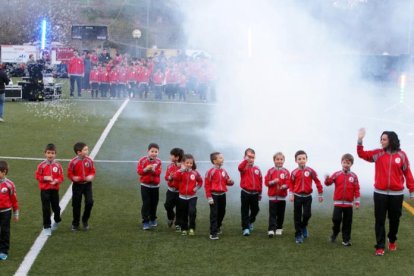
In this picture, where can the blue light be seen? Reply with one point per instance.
(43, 40)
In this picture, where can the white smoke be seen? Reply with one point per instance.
(286, 84)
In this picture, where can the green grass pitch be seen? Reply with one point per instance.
(116, 244)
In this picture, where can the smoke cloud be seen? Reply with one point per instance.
(288, 81)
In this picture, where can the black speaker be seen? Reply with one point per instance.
(90, 32)
(32, 91)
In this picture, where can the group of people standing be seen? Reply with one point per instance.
(123, 76)
(392, 170)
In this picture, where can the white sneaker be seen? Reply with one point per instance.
(55, 226)
(271, 233)
(47, 231)
(1, 119)
(279, 232)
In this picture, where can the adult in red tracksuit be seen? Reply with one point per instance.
(277, 180)
(215, 184)
(251, 183)
(391, 168)
(189, 182)
(346, 194)
(171, 198)
(8, 204)
(76, 72)
(149, 170)
(81, 171)
(301, 190)
(49, 175)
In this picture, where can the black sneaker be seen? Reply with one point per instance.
(85, 226)
(332, 238)
(348, 243)
(214, 237)
(75, 228)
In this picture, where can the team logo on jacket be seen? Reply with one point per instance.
(55, 169)
(256, 172)
(306, 174)
(282, 176)
(397, 160)
(86, 164)
(351, 179)
(192, 177)
(3, 190)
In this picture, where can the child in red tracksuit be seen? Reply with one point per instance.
(215, 185)
(277, 180)
(81, 171)
(8, 204)
(149, 170)
(94, 81)
(251, 190)
(49, 175)
(171, 198)
(346, 194)
(189, 182)
(301, 194)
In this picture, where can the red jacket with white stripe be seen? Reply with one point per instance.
(103, 76)
(390, 170)
(189, 182)
(251, 179)
(346, 188)
(150, 178)
(53, 169)
(216, 181)
(301, 182)
(8, 198)
(76, 67)
(278, 181)
(94, 76)
(169, 174)
(82, 168)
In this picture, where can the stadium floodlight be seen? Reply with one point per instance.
(43, 39)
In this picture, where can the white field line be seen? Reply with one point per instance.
(142, 101)
(101, 161)
(37, 246)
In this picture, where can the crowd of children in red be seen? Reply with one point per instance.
(122, 76)
(184, 182)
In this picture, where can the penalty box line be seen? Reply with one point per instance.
(41, 240)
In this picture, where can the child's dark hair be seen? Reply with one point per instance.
(249, 150)
(153, 145)
(79, 147)
(50, 147)
(349, 157)
(190, 156)
(213, 156)
(394, 142)
(4, 167)
(300, 152)
(177, 152)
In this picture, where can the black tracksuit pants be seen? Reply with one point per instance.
(50, 199)
(391, 204)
